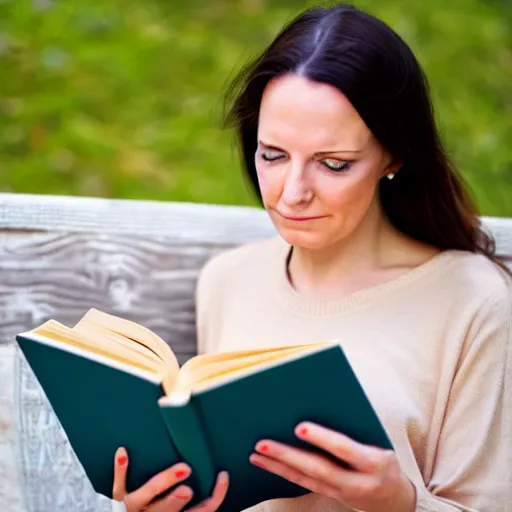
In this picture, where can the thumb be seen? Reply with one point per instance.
(120, 470)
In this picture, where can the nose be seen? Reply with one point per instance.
(296, 189)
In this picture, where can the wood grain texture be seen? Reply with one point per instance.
(10, 485)
(61, 275)
(204, 223)
(501, 230)
(138, 259)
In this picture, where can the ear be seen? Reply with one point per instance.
(392, 168)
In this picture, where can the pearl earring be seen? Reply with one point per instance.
(390, 176)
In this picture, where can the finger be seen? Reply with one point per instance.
(120, 470)
(157, 485)
(218, 495)
(293, 475)
(352, 488)
(177, 499)
(364, 458)
(312, 464)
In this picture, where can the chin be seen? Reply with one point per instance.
(310, 240)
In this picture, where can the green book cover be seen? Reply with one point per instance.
(103, 405)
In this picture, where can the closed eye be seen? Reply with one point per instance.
(333, 164)
(271, 156)
(336, 165)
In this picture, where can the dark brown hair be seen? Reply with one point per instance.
(376, 70)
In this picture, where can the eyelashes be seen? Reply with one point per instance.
(336, 165)
(271, 156)
(331, 164)
(268, 158)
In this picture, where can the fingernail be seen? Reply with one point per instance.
(302, 432)
(262, 448)
(121, 456)
(223, 477)
(254, 460)
(181, 473)
(183, 493)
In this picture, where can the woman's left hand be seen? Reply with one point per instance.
(375, 482)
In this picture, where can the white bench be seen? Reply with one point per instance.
(60, 256)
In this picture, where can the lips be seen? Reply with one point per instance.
(300, 219)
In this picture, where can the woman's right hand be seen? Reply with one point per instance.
(142, 498)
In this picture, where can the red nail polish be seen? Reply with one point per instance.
(303, 432)
(184, 496)
(264, 448)
(180, 474)
(122, 460)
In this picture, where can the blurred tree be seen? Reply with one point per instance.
(123, 98)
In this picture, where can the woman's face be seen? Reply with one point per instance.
(317, 162)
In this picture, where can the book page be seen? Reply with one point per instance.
(207, 370)
(53, 330)
(131, 332)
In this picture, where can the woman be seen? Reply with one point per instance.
(380, 247)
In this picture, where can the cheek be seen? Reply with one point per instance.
(351, 196)
(269, 186)
(261, 177)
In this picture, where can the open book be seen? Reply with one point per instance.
(112, 382)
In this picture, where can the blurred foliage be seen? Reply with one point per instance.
(123, 98)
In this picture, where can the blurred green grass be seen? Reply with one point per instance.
(123, 98)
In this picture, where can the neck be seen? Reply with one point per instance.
(343, 267)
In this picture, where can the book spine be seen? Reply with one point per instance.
(186, 430)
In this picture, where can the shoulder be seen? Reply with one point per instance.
(240, 255)
(235, 263)
(228, 278)
(485, 290)
(469, 295)
(476, 276)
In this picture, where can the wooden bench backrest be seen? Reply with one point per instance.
(137, 259)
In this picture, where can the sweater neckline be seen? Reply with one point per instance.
(301, 304)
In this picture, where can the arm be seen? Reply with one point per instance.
(473, 469)
(204, 289)
(211, 285)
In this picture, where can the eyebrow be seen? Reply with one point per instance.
(270, 146)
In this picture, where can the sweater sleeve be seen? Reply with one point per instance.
(473, 468)
(208, 298)
(203, 293)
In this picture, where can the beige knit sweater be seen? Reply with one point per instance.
(431, 348)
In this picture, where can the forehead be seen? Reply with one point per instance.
(297, 113)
